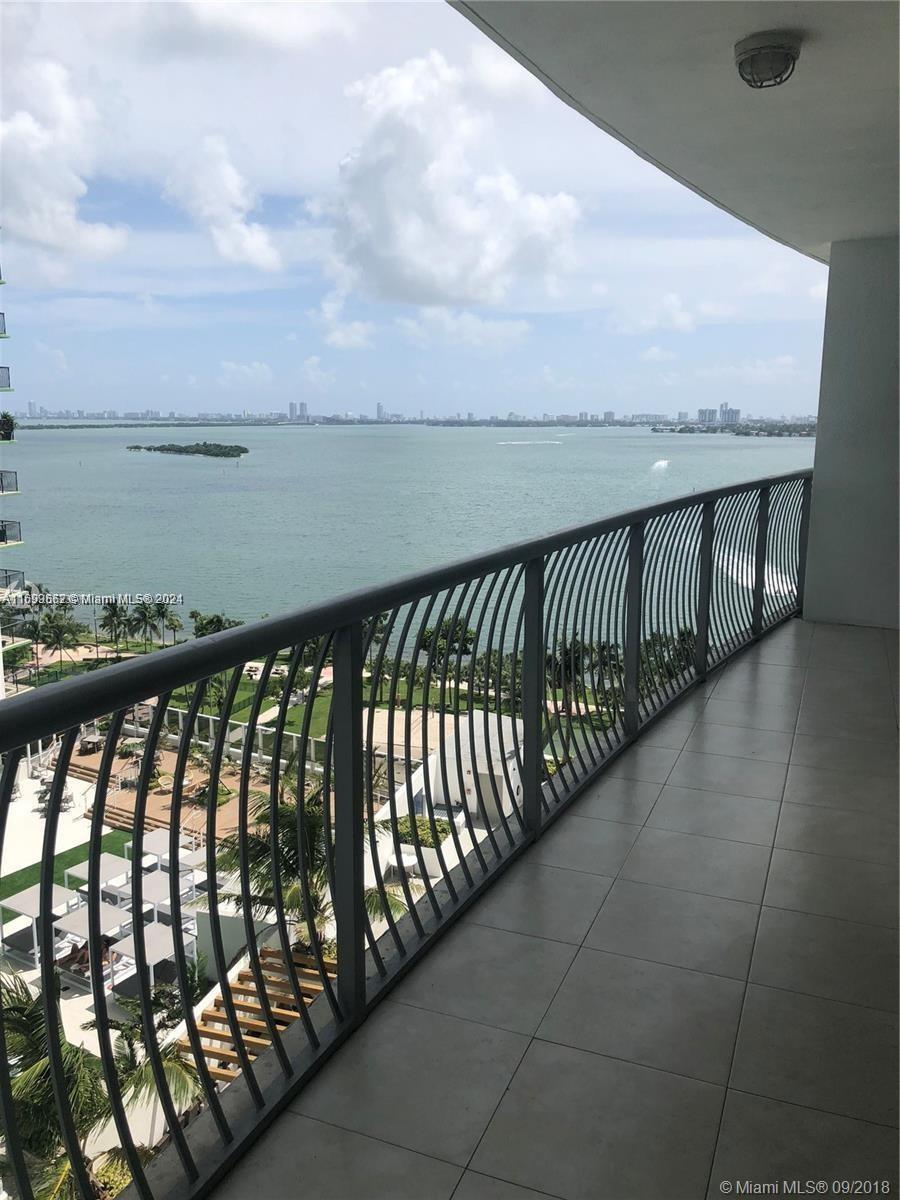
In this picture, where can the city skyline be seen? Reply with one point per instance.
(208, 248)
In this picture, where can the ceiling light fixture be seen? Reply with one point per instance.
(767, 59)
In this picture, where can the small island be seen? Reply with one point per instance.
(208, 449)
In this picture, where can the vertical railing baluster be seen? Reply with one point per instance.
(805, 503)
(633, 613)
(533, 699)
(759, 572)
(701, 642)
(349, 911)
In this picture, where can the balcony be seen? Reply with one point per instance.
(690, 979)
(10, 533)
(3, 332)
(578, 715)
(9, 482)
(4, 380)
(11, 581)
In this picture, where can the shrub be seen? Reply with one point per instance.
(423, 829)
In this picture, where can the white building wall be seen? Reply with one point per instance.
(851, 575)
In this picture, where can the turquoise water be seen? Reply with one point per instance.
(314, 511)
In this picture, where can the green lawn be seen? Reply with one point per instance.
(112, 843)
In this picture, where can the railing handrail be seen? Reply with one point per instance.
(71, 702)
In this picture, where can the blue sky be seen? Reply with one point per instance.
(220, 207)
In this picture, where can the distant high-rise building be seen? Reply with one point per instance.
(707, 416)
(32, 408)
(302, 411)
(292, 409)
(379, 411)
(470, 417)
(583, 417)
(609, 416)
(682, 416)
(729, 416)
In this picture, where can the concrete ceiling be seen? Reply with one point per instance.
(809, 163)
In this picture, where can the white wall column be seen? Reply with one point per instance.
(851, 573)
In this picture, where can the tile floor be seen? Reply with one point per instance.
(691, 979)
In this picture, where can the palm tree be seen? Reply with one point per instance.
(32, 1092)
(320, 913)
(33, 629)
(115, 621)
(59, 632)
(145, 622)
(174, 624)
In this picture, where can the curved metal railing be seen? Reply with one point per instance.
(284, 815)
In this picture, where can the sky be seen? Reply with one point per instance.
(220, 207)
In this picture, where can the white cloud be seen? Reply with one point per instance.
(210, 188)
(245, 375)
(315, 374)
(54, 356)
(551, 380)
(351, 335)
(498, 73)
(47, 155)
(201, 27)
(414, 218)
(780, 369)
(442, 326)
(657, 354)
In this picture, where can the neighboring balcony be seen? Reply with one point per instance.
(11, 581)
(9, 482)
(10, 533)
(3, 332)
(4, 380)
(299, 808)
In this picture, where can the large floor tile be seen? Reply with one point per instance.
(840, 960)
(647, 1012)
(846, 689)
(745, 687)
(749, 714)
(833, 887)
(712, 866)
(844, 754)
(671, 733)
(490, 975)
(740, 742)
(585, 844)
(582, 1126)
(651, 764)
(473, 1186)
(780, 652)
(766, 1140)
(713, 814)
(684, 929)
(417, 1079)
(749, 669)
(866, 660)
(852, 790)
(835, 831)
(819, 1053)
(333, 1164)
(545, 901)
(875, 724)
(628, 800)
(737, 776)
